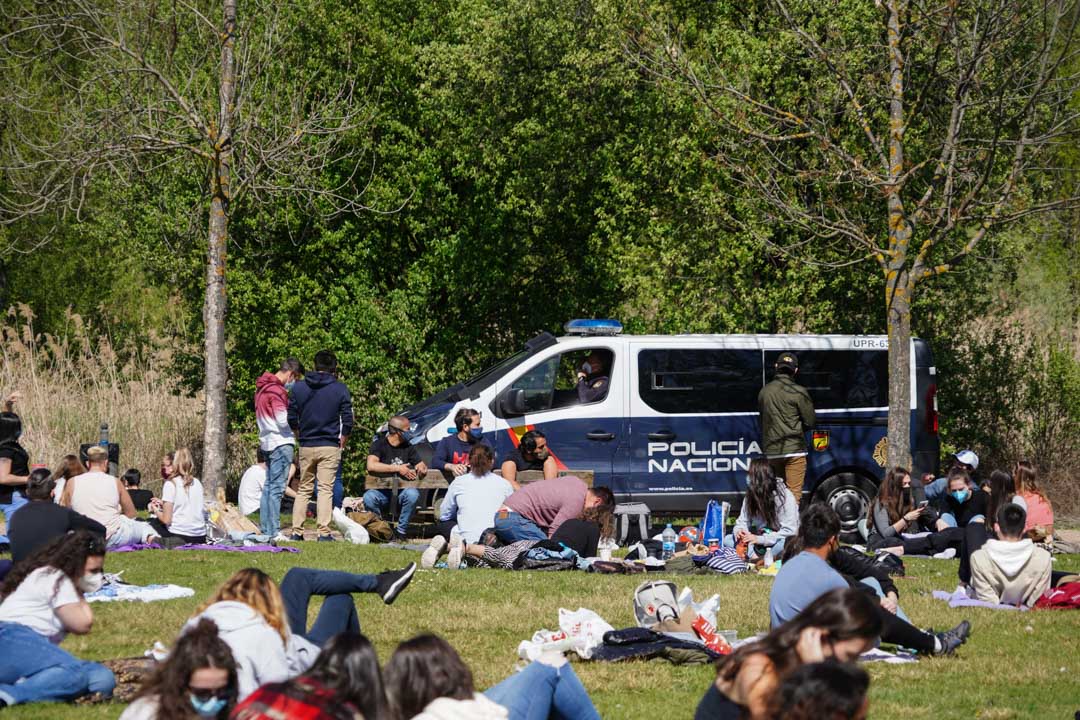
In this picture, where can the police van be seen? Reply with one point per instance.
(672, 420)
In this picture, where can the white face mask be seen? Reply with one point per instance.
(91, 582)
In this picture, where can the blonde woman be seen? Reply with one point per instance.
(266, 626)
(180, 509)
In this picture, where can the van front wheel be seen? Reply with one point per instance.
(850, 496)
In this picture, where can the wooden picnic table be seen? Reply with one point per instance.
(437, 480)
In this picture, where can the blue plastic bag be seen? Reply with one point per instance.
(712, 525)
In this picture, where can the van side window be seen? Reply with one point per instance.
(553, 383)
(841, 379)
(700, 381)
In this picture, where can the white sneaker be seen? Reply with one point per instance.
(946, 554)
(457, 551)
(280, 538)
(434, 549)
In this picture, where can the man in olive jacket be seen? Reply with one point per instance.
(787, 414)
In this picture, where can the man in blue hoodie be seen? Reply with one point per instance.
(320, 412)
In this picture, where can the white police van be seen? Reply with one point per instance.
(677, 423)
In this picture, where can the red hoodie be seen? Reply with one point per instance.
(272, 412)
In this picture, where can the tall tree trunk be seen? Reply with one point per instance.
(216, 429)
(898, 310)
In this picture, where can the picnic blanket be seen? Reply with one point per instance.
(959, 598)
(114, 592)
(221, 548)
(879, 655)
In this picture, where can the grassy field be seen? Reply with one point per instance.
(1015, 665)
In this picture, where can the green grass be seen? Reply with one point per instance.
(1015, 665)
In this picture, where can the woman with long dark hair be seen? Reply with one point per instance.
(344, 683)
(769, 514)
(841, 624)
(198, 680)
(14, 462)
(828, 690)
(1000, 491)
(42, 601)
(427, 680)
(892, 514)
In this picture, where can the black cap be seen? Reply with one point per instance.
(787, 360)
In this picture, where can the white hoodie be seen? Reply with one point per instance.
(478, 708)
(261, 655)
(1011, 573)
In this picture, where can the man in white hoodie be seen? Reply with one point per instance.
(1010, 570)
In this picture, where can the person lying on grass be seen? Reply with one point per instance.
(427, 680)
(266, 626)
(42, 601)
(840, 625)
(828, 690)
(344, 684)
(198, 680)
(815, 569)
(1010, 569)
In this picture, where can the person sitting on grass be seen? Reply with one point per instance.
(69, 467)
(41, 601)
(452, 452)
(1039, 525)
(537, 510)
(469, 505)
(828, 690)
(809, 574)
(892, 514)
(344, 683)
(42, 521)
(139, 498)
(841, 625)
(266, 625)
(180, 512)
(102, 497)
(769, 514)
(198, 680)
(249, 497)
(14, 462)
(532, 453)
(426, 679)
(999, 491)
(1010, 569)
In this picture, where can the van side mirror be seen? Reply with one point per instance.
(514, 402)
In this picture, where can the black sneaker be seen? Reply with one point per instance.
(296, 537)
(326, 538)
(952, 639)
(398, 537)
(392, 582)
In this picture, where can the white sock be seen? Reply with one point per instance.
(937, 644)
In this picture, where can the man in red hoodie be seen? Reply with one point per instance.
(276, 440)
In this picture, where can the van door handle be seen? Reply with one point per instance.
(600, 435)
(662, 436)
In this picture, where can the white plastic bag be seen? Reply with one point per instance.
(585, 627)
(353, 531)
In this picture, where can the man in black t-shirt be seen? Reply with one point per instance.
(532, 453)
(139, 498)
(393, 454)
(41, 520)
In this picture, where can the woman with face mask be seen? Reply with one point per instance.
(198, 680)
(892, 515)
(42, 601)
(840, 625)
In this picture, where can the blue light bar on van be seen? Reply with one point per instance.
(593, 327)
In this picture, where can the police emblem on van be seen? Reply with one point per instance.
(881, 451)
(821, 440)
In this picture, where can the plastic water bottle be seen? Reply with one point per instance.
(669, 542)
(104, 441)
(768, 557)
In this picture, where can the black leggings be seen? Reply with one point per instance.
(581, 536)
(444, 528)
(975, 536)
(896, 631)
(163, 532)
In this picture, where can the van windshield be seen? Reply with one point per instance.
(486, 378)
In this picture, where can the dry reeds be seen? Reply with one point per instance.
(73, 381)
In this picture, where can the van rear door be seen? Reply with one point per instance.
(693, 419)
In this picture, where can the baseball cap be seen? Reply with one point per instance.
(788, 360)
(968, 458)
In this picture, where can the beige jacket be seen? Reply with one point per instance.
(1011, 573)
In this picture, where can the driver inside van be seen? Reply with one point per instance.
(593, 377)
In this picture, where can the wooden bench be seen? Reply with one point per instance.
(436, 480)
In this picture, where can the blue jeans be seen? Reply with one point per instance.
(760, 550)
(378, 501)
(515, 527)
(872, 582)
(277, 476)
(338, 612)
(32, 669)
(9, 508)
(540, 692)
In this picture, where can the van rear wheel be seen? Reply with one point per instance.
(849, 495)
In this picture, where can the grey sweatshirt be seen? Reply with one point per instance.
(787, 513)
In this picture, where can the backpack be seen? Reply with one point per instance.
(378, 529)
